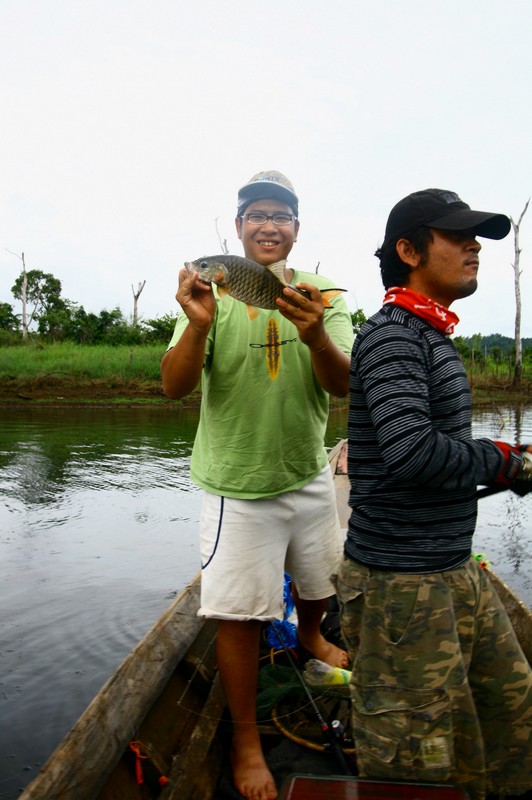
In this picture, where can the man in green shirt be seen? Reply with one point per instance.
(269, 503)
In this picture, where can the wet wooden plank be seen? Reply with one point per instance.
(190, 769)
(520, 615)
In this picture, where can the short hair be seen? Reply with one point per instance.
(394, 271)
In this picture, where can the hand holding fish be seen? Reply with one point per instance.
(260, 286)
(306, 312)
(196, 299)
(256, 285)
(182, 364)
(303, 305)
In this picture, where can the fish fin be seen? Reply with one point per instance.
(222, 291)
(328, 294)
(252, 312)
(278, 270)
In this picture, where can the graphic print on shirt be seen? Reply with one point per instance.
(272, 345)
(273, 350)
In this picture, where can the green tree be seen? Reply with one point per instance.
(107, 327)
(477, 353)
(358, 318)
(55, 324)
(8, 319)
(496, 353)
(159, 329)
(463, 349)
(43, 291)
(113, 328)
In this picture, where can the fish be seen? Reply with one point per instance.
(253, 284)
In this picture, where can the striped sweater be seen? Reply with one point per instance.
(413, 465)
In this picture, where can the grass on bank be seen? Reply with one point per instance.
(121, 362)
(66, 371)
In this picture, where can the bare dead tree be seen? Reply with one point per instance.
(518, 370)
(223, 244)
(136, 296)
(23, 295)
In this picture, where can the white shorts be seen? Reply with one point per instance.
(247, 545)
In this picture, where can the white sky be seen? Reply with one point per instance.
(129, 125)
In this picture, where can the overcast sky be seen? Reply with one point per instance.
(128, 127)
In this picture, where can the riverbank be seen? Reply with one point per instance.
(65, 373)
(68, 390)
(59, 389)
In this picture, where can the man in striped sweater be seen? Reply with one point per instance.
(441, 689)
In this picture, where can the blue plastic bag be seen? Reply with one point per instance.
(287, 632)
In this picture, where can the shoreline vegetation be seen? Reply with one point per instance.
(77, 375)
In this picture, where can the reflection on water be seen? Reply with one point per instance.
(504, 526)
(45, 452)
(98, 530)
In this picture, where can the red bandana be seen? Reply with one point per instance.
(429, 310)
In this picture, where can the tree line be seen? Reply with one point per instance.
(57, 319)
(52, 318)
(494, 345)
(49, 317)
(494, 352)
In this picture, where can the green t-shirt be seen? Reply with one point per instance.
(263, 413)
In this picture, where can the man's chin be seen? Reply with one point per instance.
(468, 289)
(266, 258)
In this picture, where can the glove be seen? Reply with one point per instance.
(522, 483)
(516, 473)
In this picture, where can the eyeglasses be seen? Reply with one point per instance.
(258, 218)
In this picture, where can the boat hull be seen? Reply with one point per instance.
(166, 699)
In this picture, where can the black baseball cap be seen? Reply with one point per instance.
(443, 210)
(269, 184)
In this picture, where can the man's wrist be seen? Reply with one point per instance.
(322, 348)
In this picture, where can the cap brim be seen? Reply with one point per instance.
(492, 226)
(263, 190)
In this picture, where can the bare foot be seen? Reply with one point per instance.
(327, 652)
(251, 775)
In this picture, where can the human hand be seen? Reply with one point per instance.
(516, 473)
(305, 311)
(197, 300)
(522, 483)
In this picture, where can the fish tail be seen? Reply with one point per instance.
(328, 294)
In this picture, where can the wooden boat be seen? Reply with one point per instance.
(158, 727)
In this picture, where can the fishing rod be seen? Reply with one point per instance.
(328, 733)
(489, 490)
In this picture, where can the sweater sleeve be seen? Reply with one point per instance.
(418, 402)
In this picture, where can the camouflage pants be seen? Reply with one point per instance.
(441, 690)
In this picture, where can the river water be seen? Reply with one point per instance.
(98, 532)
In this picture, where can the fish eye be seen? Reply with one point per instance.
(203, 264)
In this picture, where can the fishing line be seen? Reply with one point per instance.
(328, 734)
(200, 661)
(271, 658)
(289, 715)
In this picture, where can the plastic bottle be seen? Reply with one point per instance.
(319, 674)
